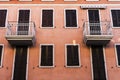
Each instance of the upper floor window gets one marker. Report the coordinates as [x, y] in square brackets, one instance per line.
[70, 18]
[47, 18]
[72, 56]
[1, 53]
[118, 54]
[46, 56]
[116, 18]
[3, 14]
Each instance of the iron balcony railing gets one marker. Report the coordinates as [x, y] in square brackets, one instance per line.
[19, 29]
[101, 28]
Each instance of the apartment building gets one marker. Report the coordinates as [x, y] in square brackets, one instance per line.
[59, 39]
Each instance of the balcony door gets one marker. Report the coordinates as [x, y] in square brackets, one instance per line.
[20, 63]
[98, 63]
[23, 22]
[94, 22]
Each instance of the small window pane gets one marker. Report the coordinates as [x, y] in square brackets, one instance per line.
[71, 20]
[3, 17]
[118, 53]
[46, 55]
[1, 47]
[116, 18]
[47, 18]
[72, 55]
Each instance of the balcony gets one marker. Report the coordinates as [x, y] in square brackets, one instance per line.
[20, 34]
[97, 33]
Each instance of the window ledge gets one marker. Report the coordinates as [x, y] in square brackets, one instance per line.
[46, 66]
[25, 0]
[73, 66]
[4, 0]
[47, 0]
[113, 0]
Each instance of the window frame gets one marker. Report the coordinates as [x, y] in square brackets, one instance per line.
[6, 17]
[112, 18]
[78, 56]
[42, 17]
[116, 54]
[65, 17]
[41, 56]
[2, 55]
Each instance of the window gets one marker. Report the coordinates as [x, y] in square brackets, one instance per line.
[71, 18]
[47, 18]
[3, 14]
[72, 55]
[1, 53]
[118, 54]
[116, 18]
[46, 55]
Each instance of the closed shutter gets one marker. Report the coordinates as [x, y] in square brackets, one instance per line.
[3, 14]
[46, 55]
[1, 47]
[72, 55]
[118, 53]
[116, 18]
[47, 18]
[71, 20]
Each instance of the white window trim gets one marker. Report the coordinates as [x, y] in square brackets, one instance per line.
[65, 18]
[104, 63]
[111, 17]
[6, 17]
[25, 0]
[116, 54]
[78, 56]
[26, 64]
[4, 0]
[42, 17]
[2, 55]
[40, 57]
[114, 0]
[92, 0]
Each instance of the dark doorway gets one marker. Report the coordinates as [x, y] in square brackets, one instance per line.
[20, 63]
[98, 63]
[94, 22]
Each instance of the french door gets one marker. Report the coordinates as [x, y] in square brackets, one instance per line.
[23, 22]
[94, 22]
[20, 63]
[98, 64]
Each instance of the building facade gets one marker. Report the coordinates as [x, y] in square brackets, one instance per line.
[59, 39]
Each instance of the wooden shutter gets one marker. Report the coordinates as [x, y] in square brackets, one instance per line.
[116, 18]
[98, 63]
[3, 14]
[47, 18]
[20, 63]
[46, 55]
[1, 47]
[118, 53]
[71, 20]
[72, 55]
